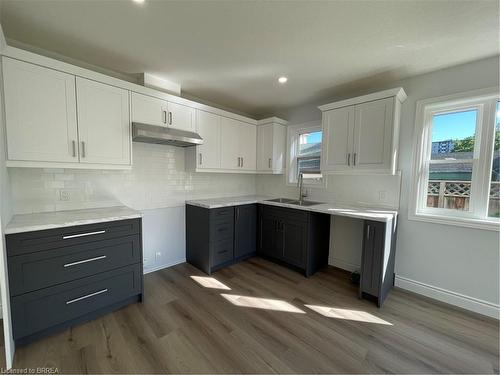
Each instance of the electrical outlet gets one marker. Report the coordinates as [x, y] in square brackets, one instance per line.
[382, 195]
[64, 195]
[157, 255]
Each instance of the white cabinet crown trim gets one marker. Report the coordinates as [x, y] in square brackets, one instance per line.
[398, 92]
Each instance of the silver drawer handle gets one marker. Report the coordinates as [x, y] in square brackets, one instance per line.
[83, 234]
[85, 261]
[86, 296]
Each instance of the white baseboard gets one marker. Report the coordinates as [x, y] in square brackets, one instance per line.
[162, 266]
[465, 302]
[342, 264]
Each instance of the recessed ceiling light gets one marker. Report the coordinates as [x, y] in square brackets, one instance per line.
[139, 1]
[282, 79]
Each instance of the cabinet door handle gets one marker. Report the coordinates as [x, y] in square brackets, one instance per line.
[164, 117]
[73, 144]
[368, 232]
[86, 296]
[354, 159]
[238, 161]
[242, 159]
[201, 158]
[269, 163]
[83, 234]
[84, 261]
[348, 159]
[83, 149]
[170, 118]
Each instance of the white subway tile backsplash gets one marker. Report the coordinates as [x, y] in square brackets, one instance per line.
[157, 180]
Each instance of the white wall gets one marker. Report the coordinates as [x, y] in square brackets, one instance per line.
[157, 185]
[5, 215]
[454, 264]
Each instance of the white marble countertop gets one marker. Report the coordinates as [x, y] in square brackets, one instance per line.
[49, 220]
[358, 212]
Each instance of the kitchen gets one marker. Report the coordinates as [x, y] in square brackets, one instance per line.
[124, 202]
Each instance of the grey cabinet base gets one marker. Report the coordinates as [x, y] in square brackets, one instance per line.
[82, 319]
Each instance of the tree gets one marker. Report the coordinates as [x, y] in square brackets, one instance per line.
[464, 145]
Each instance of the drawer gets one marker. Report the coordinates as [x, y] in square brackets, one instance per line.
[36, 311]
[218, 214]
[222, 229]
[42, 269]
[30, 242]
[221, 252]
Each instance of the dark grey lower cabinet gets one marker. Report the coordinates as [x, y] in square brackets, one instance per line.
[296, 238]
[61, 277]
[219, 237]
[245, 231]
[377, 262]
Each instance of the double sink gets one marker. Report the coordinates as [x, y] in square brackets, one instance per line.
[294, 202]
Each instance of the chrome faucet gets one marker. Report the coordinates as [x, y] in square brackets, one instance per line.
[300, 183]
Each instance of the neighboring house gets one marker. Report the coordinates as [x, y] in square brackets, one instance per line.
[442, 147]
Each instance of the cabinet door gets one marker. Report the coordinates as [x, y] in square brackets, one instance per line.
[247, 140]
[208, 127]
[373, 249]
[270, 239]
[230, 143]
[149, 110]
[103, 123]
[40, 113]
[373, 134]
[245, 230]
[295, 242]
[265, 148]
[180, 116]
[338, 132]
[278, 148]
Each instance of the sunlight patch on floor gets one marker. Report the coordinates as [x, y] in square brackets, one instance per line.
[210, 282]
[262, 303]
[347, 314]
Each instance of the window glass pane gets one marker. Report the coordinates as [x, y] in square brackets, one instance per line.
[310, 144]
[494, 198]
[449, 185]
[453, 135]
[308, 165]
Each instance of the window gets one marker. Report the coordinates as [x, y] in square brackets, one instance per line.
[305, 153]
[456, 170]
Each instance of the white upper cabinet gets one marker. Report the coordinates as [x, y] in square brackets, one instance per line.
[208, 155]
[362, 134]
[265, 148]
[181, 116]
[373, 134]
[40, 113]
[149, 110]
[154, 111]
[247, 141]
[271, 141]
[230, 148]
[103, 123]
[238, 145]
[338, 135]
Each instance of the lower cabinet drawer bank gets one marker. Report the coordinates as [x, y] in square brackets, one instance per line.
[55, 288]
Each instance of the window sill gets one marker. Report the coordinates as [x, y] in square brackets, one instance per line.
[484, 224]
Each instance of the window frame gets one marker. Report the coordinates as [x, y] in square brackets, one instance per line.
[293, 135]
[485, 102]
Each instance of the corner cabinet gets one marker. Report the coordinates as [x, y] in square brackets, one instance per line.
[362, 134]
[45, 129]
[229, 145]
[271, 145]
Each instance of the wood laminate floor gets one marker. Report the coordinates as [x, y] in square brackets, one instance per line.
[270, 320]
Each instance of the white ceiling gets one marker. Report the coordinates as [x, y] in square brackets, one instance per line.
[231, 53]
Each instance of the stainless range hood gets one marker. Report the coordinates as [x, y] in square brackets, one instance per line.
[164, 135]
